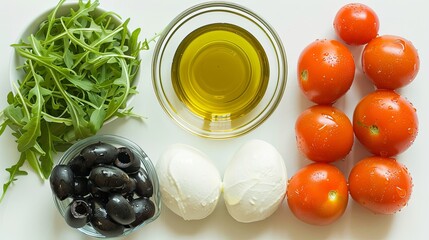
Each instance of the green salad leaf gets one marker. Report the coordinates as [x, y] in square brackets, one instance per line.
[79, 71]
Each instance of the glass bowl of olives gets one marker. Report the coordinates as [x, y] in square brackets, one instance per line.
[106, 186]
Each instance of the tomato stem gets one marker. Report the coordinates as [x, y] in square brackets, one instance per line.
[374, 130]
[304, 75]
[332, 195]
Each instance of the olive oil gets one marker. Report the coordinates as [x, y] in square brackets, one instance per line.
[220, 72]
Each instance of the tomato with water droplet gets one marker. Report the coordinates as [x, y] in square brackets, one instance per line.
[324, 133]
[390, 62]
[326, 70]
[317, 194]
[382, 185]
[385, 123]
[356, 24]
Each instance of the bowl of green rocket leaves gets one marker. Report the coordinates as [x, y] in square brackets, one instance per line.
[75, 68]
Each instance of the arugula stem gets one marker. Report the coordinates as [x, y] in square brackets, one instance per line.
[51, 17]
[53, 119]
[40, 60]
[14, 172]
[81, 100]
[21, 98]
[126, 85]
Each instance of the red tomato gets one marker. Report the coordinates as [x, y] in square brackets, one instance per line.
[356, 24]
[324, 133]
[325, 71]
[317, 194]
[390, 62]
[385, 123]
[380, 184]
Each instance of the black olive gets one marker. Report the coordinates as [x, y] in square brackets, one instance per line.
[102, 223]
[96, 192]
[81, 187]
[62, 181]
[120, 210]
[109, 178]
[144, 209]
[79, 166]
[129, 188]
[99, 153]
[126, 161]
[77, 213]
[144, 187]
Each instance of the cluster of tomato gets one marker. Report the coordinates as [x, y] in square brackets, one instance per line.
[384, 122]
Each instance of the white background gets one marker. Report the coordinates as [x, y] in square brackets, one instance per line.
[28, 212]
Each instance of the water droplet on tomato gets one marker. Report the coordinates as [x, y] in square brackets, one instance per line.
[395, 100]
[327, 116]
[402, 193]
[401, 43]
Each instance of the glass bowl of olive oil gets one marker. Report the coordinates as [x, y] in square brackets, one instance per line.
[219, 70]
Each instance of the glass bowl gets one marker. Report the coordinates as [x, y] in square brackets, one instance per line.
[219, 70]
[146, 166]
[17, 73]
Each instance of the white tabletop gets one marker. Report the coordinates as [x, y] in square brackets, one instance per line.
[27, 212]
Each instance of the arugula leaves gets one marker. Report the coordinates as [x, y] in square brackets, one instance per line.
[79, 72]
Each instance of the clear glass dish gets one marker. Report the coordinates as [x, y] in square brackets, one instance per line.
[169, 47]
[116, 141]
